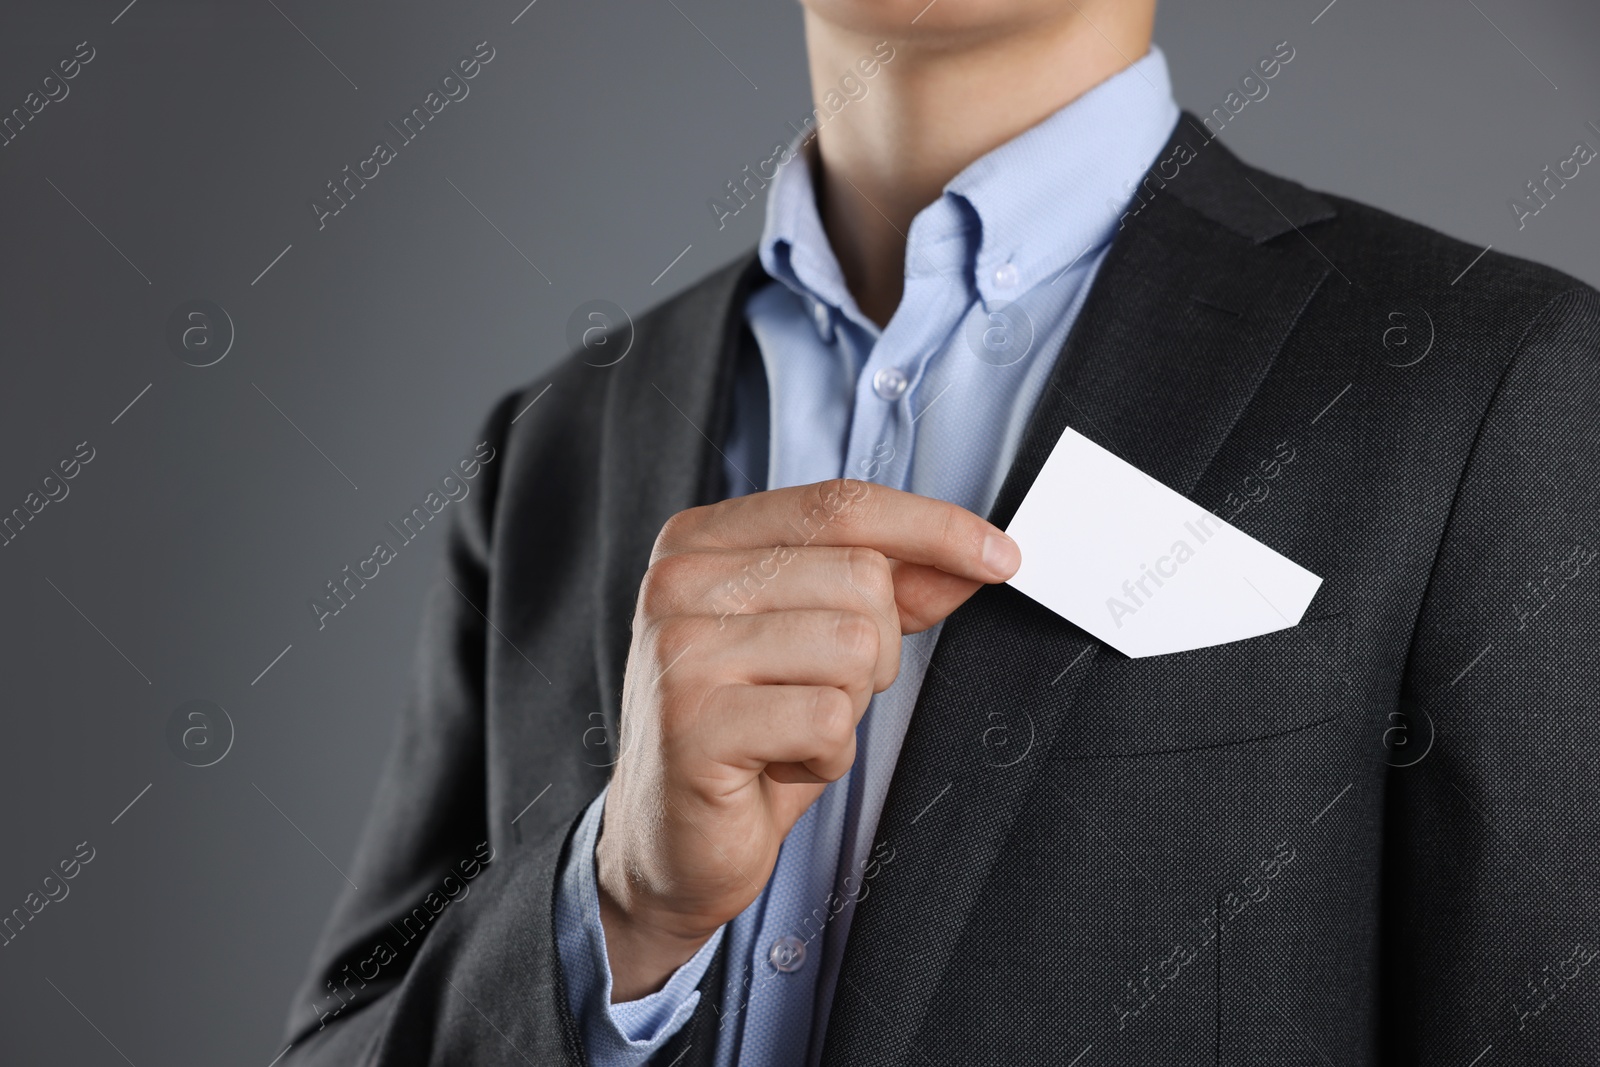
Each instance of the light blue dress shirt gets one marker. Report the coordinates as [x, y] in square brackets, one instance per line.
[933, 403]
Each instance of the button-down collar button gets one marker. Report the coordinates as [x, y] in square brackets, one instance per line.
[823, 318]
[890, 383]
[1005, 275]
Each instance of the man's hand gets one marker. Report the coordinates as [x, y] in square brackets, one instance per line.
[764, 626]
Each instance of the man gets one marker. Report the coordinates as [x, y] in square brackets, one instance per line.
[774, 768]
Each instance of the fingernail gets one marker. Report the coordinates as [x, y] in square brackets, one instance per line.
[1001, 555]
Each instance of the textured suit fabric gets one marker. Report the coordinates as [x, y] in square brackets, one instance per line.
[1220, 856]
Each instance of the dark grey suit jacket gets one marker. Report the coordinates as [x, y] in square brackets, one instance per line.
[1365, 839]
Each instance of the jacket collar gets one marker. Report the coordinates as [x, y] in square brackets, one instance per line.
[664, 418]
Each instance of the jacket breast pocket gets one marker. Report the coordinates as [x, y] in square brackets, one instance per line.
[1225, 694]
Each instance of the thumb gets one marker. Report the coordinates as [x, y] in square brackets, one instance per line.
[926, 595]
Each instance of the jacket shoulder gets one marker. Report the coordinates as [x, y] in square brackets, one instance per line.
[1492, 306]
[1372, 254]
[1390, 251]
[606, 339]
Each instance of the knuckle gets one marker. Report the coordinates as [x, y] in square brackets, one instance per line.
[856, 637]
[827, 504]
[960, 535]
[868, 570]
[888, 668]
[662, 588]
[655, 588]
[680, 720]
[673, 640]
[834, 715]
[677, 533]
[837, 766]
[954, 536]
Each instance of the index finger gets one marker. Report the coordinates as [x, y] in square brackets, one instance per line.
[845, 512]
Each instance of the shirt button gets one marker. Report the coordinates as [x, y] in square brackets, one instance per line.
[823, 318]
[788, 954]
[1005, 275]
[890, 383]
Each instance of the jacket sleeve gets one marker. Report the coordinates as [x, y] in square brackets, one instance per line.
[444, 954]
[630, 1033]
[1491, 882]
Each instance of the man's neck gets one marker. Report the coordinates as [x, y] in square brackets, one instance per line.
[936, 106]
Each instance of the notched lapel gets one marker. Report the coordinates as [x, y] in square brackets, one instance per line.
[665, 405]
[1186, 317]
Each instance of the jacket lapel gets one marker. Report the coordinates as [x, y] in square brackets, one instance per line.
[1196, 296]
[665, 405]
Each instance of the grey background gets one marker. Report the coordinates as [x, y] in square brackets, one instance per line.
[188, 548]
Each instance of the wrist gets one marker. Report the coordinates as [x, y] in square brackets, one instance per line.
[646, 939]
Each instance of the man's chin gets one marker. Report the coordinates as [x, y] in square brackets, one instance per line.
[941, 25]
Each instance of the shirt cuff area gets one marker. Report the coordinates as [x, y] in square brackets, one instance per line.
[629, 1033]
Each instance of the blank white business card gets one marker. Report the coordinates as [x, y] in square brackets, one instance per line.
[1141, 567]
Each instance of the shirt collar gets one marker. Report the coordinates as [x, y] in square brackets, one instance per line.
[794, 247]
[1034, 206]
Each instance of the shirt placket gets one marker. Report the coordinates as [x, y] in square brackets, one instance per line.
[884, 420]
